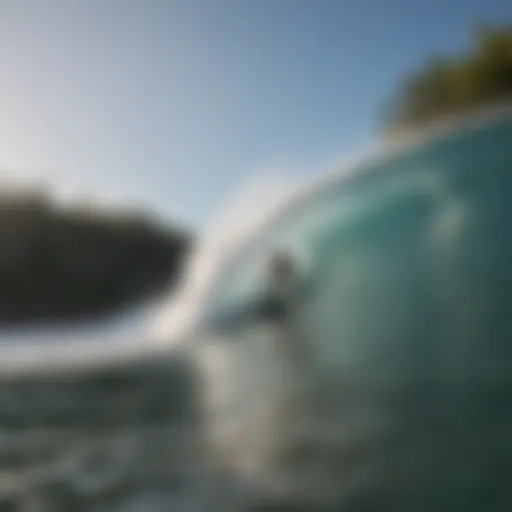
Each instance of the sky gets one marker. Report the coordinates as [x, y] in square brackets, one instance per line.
[174, 104]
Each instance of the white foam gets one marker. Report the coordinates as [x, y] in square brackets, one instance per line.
[234, 226]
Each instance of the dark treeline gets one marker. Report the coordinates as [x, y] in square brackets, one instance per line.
[451, 85]
[71, 264]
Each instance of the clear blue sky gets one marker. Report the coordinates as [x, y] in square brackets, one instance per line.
[173, 103]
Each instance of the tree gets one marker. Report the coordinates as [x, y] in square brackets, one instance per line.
[453, 85]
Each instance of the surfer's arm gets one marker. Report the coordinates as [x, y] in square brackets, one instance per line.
[235, 316]
[265, 307]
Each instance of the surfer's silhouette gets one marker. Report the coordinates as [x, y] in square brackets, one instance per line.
[276, 305]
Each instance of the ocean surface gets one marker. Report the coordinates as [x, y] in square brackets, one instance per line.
[124, 437]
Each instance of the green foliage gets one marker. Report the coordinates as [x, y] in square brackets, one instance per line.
[453, 85]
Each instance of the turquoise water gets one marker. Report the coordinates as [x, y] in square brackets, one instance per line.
[407, 404]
